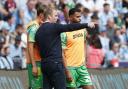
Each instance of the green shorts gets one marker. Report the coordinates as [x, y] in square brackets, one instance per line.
[35, 82]
[80, 77]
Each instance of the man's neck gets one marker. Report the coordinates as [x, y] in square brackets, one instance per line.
[38, 21]
[47, 21]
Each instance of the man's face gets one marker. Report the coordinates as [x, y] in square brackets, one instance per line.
[115, 48]
[54, 16]
[75, 18]
[41, 16]
[17, 42]
[19, 30]
[31, 4]
[111, 23]
[107, 8]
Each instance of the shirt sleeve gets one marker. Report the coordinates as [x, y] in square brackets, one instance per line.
[63, 40]
[69, 27]
[31, 30]
[109, 56]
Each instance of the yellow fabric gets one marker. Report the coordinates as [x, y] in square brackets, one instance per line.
[74, 50]
[31, 23]
[32, 28]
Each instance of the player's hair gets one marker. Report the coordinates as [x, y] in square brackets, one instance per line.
[73, 11]
[48, 12]
[78, 5]
[106, 4]
[40, 8]
[86, 10]
[95, 41]
[19, 26]
[94, 16]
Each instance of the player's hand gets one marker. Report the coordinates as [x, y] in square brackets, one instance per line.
[92, 24]
[68, 76]
[35, 71]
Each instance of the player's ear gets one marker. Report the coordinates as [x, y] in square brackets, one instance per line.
[49, 17]
[41, 15]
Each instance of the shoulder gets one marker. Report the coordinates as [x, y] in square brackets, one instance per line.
[33, 26]
[32, 23]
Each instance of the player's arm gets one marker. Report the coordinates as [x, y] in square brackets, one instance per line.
[27, 54]
[72, 27]
[31, 51]
[67, 72]
[3, 11]
[31, 41]
[63, 43]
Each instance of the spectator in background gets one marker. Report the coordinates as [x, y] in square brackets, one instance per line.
[125, 3]
[2, 24]
[65, 11]
[115, 38]
[28, 13]
[70, 3]
[113, 56]
[87, 4]
[11, 23]
[122, 36]
[110, 2]
[95, 54]
[104, 39]
[63, 14]
[6, 59]
[20, 3]
[85, 18]
[124, 53]
[16, 48]
[126, 24]
[118, 5]
[17, 56]
[19, 14]
[105, 14]
[110, 27]
[119, 20]
[2, 41]
[99, 4]
[20, 31]
[80, 6]
[6, 34]
[119, 36]
[95, 18]
[126, 20]
[10, 6]
[3, 11]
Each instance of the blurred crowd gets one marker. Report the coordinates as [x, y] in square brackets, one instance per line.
[106, 48]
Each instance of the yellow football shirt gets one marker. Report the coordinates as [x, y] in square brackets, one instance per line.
[73, 47]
